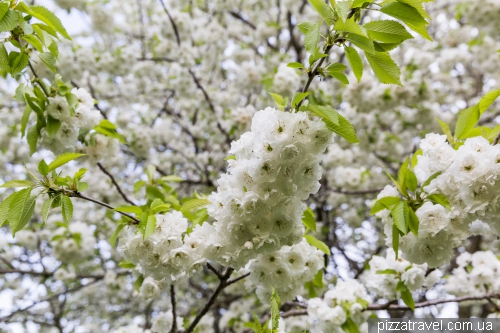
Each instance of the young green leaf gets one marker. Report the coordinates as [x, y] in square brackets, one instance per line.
[63, 159]
[309, 220]
[355, 61]
[46, 16]
[384, 203]
[446, 130]
[5, 207]
[278, 99]
[150, 226]
[317, 244]
[114, 236]
[349, 25]
[47, 205]
[467, 119]
[439, 199]
[17, 183]
[325, 112]
[362, 42]
[488, 99]
[431, 178]
[312, 37]
[387, 271]
[387, 31]
[409, 15]
[400, 216]
[384, 67]
[275, 310]
[295, 65]
[413, 222]
[298, 97]
[17, 207]
[349, 326]
[342, 8]
[395, 240]
[48, 59]
[402, 172]
[411, 181]
[66, 208]
[9, 21]
[322, 8]
[32, 138]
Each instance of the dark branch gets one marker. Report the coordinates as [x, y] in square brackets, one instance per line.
[113, 180]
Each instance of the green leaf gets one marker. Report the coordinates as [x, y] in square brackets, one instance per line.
[384, 67]
[138, 282]
[413, 222]
[4, 8]
[364, 43]
[82, 186]
[309, 219]
[138, 185]
[384, 203]
[342, 8]
[336, 67]
[46, 16]
[385, 47]
[317, 244]
[17, 206]
[33, 40]
[17, 183]
[355, 61]
[4, 58]
[340, 76]
[295, 65]
[417, 4]
[395, 240]
[318, 279]
[387, 271]
[400, 216]
[322, 8]
[25, 119]
[53, 126]
[312, 37]
[63, 159]
[467, 119]
[19, 63]
[47, 205]
[439, 199]
[431, 178]
[49, 60]
[114, 236]
[344, 129]
[9, 21]
[275, 310]
[194, 204]
[402, 172]
[298, 97]
[387, 31]
[411, 181]
[5, 208]
[446, 130]
[32, 138]
[150, 226]
[359, 3]
[278, 99]
[43, 168]
[66, 208]
[129, 209]
[406, 295]
[349, 25]
[349, 326]
[325, 112]
[305, 26]
[126, 264]
[488, 99]
[409, 15]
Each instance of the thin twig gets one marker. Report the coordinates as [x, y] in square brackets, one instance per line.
[358, 192]
[174, 312]
[103, 204]
[238, 16]
[216, 272]
[113, 180]
[174, 26]
[237, 279]
[222, 284]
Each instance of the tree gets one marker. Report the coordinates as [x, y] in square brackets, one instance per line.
[247, 166]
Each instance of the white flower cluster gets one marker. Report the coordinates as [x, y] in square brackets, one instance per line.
[85, 118]
[286, 270]
[328, 314]
[476, 274]
[164, 255]
[384, 285]
[483, 14]
[468, 179]
[257, 206]
[74, 243]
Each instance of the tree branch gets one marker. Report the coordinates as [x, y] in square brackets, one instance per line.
[174, 26]
[223, 283]
[103, 204]
[103, 169]
[174, 312]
